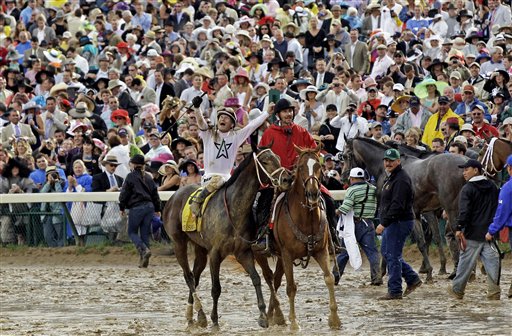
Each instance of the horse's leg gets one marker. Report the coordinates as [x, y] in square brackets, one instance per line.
[419, 237]
[436, 236]
[291, 288]
[215, 261]
[322, 258]
[246, 259]
[278, 278]
[201, 258]
[180, 249]
[274, 307]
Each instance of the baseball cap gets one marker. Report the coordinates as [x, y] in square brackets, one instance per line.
[398, 87]
[391, 154]
[122, 132]
[328, 157]
[357, 172]
[414, 101]
[375, 124]
[509, 161]
[443, 99]
[469, 88]
[471, 163]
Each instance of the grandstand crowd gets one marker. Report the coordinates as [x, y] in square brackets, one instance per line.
[86, 85]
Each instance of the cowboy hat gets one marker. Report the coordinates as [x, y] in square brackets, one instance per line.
[150, 35]
[58, 87]
[421, 89]
[310, 88]
[205, 72]
[80, 111]
[110, 159]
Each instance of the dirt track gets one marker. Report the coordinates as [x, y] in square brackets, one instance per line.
[62, 292]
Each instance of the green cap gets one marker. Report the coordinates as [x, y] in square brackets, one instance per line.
[392, 154]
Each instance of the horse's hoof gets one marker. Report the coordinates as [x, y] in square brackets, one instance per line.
[215, 328]
[442, 271]
[279, 318]
[334, 322]
[429, 278]
[263, 322]
[202, 321]
[294, 326]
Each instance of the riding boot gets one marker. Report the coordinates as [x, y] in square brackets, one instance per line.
[335, 240]
[196, 203]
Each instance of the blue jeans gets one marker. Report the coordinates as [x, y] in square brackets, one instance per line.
[53, 232]
[393, 241]
[365, 236]
[139, 222]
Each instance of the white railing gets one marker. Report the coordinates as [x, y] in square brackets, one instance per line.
[338, 195]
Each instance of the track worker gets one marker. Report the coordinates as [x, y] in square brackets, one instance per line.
[220, 143]
[139, 194]
[503, 216]
[478, 201]
[361, 198]
[396, 223]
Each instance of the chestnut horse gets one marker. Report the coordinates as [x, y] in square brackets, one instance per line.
[494, 154]
[301, 231]
[226, 230]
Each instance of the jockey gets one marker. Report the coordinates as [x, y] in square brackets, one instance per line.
[221, 143]
[283, 137]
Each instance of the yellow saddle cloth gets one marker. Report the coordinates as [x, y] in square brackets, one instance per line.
[190, 223]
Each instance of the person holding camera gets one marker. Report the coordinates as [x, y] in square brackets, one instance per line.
[139, 194]
[53, 224]
[361, 203]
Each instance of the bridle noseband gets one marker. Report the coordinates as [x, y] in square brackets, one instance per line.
[276, 182]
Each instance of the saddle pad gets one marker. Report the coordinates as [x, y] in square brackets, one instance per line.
[190, 223]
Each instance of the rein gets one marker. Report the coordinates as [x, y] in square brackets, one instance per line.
[309, 240]
[307, 205]
[487, 159]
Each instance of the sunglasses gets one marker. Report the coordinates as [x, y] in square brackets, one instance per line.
[443, 103]
[477, 114]
[119, 118]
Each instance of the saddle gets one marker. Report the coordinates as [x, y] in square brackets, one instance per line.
[189, 222]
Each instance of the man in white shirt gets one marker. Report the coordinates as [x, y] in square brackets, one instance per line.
[351, 126]
[439, 26]
[382, 62]
[335, 95]
[81, 62]
[194, 91]
[389, 17]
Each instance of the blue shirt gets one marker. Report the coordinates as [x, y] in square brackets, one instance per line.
[416, 24]
[21, 48]
[144, 21]
[25, 15]
[39, 176]
[503, 216]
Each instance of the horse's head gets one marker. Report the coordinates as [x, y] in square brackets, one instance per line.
[348, 157]
[309, 172]
[269, 170]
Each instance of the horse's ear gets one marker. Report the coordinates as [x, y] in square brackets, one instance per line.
[257, 149]
[297, 149]
[318, 148]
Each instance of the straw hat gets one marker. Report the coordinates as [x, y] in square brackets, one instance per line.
[80, 111]
[57, 88]
[110, 159]
[172, 164]
[205, 72]
[397, 104]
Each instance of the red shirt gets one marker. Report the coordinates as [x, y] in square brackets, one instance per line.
[485, 131]
[283, 139]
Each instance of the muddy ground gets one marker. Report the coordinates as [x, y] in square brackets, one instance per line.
[100, 291]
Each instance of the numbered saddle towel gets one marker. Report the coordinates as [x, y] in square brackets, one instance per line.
[190, 223]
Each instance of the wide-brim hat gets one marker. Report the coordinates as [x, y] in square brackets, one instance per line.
[471, 36]
[175, 142]
[184, 164]
[504, 73]
[102, 79]
[13, 55]
[48, 74]
[464, 13]
[205, 72]
[77, 126]
[260, 84]
[397, 104]
[170, 163]
[310, 88]
[257, 55]
[296, 29]
[120, 113]
[91, 105]
[30, 105]
[138, 159]
[421, 89]
[110, 159]
[26, 84]
[331, 37]
[300, 81]
[263, 7]
[58, 87]
[244, 34]
[437, 62]
[275, 60]
[242, 73]
[53, 56]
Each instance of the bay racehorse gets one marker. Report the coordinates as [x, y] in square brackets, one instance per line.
[226, 229]
[437, 181]
[494, 154]
[300, 231]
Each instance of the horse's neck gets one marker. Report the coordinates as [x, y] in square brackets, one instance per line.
[242, 192]
[372, 160]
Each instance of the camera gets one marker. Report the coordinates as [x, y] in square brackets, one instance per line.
[55, 176]
[332, 173]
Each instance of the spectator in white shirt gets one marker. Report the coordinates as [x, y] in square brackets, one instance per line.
[382, 62]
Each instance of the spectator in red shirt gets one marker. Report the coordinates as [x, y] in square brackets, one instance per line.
[482, 129]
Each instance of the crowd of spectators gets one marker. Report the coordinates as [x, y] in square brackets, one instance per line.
[86, 85]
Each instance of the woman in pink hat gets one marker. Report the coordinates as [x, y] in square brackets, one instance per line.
[242, 118]
[242, 88]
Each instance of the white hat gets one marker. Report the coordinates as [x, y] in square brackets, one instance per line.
[152, 53]
[398, 87]
[357, 172]
[461, 139]
[310, 88]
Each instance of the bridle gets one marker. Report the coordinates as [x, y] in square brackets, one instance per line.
[275, 182]
[307, 204]
[487, 159]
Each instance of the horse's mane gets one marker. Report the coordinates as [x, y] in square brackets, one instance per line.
[239, 170]
[372, 142]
